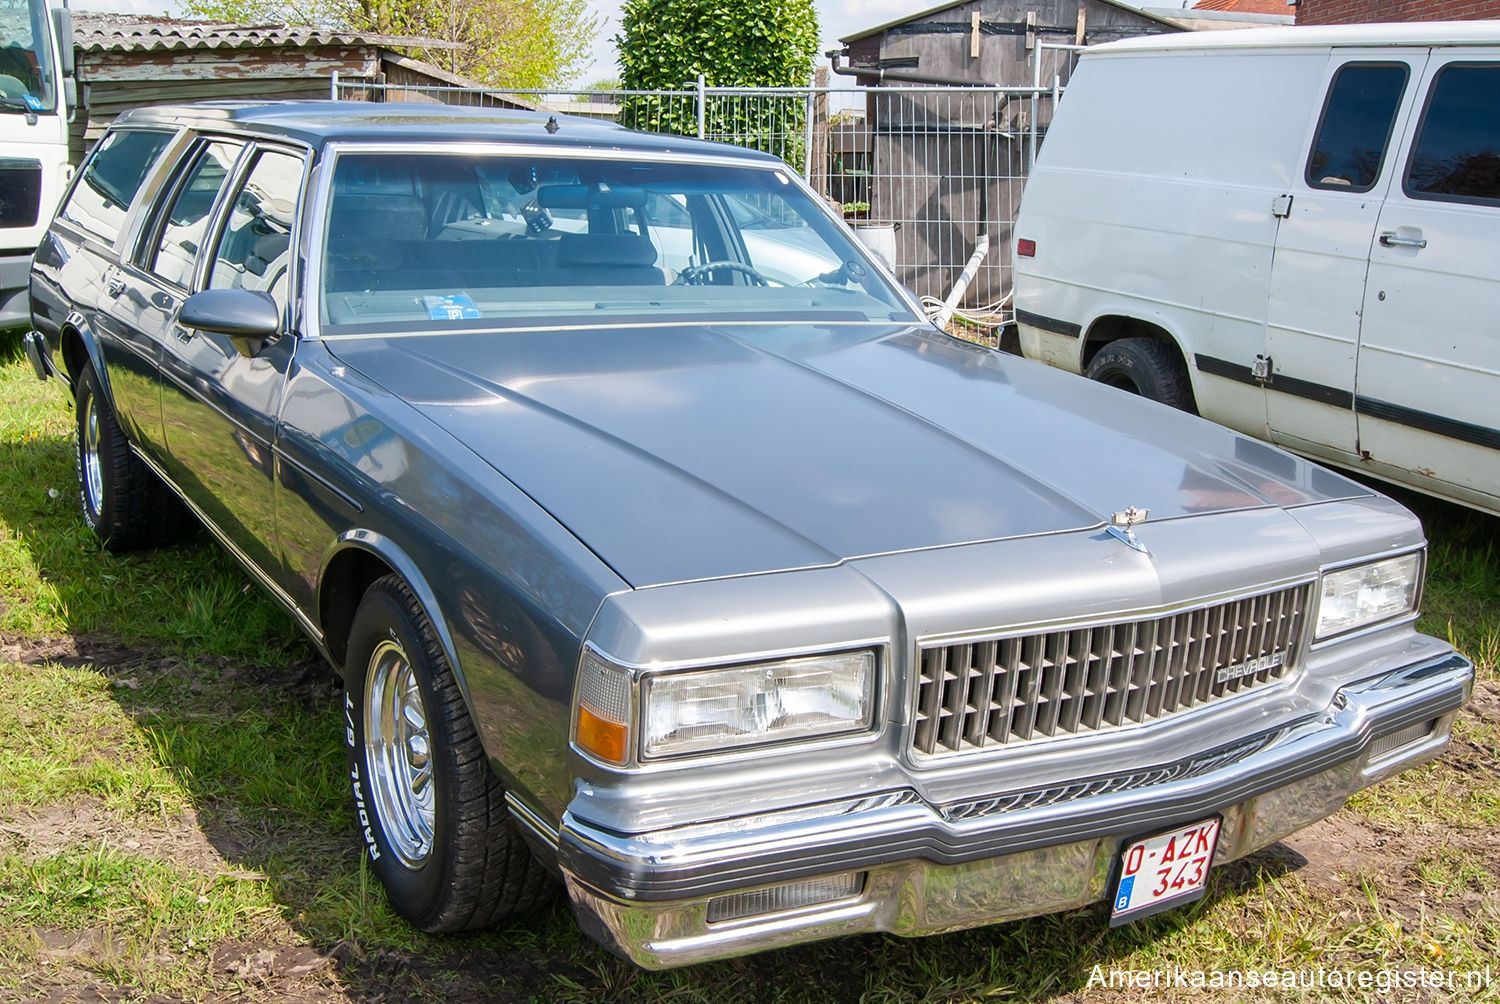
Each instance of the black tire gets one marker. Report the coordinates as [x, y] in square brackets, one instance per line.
[1145, 367]
[447, 849]
[123, 501]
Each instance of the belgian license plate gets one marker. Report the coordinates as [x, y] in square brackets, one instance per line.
[1164, 871]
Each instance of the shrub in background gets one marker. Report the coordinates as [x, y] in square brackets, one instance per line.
[666, 44]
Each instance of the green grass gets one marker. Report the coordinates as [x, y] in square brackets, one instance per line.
[172, 800]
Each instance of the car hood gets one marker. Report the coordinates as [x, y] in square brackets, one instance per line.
[680, 452]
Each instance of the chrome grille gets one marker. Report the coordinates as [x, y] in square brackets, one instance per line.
[1010, 691]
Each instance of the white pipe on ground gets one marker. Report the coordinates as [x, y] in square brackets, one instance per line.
[981, 248]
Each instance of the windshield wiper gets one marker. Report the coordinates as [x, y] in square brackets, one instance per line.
[8, 103]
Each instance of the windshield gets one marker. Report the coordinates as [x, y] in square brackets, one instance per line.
[26, 77]
[427, 240]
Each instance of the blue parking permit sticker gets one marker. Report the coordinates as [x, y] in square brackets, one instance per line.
[1122, 902]
[456, 307]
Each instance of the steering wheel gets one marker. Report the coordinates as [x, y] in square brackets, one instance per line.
[689, 276]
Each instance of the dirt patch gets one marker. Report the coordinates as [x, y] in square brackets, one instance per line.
[74, 651]
[45, 831]
[309, 679]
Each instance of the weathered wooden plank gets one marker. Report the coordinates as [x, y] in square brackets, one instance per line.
[208, 64]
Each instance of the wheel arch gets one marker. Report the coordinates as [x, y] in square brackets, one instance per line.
[77, 344]
[357, 558]
[1108, 328]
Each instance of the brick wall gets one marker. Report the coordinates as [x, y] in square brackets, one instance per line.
[1359, 11]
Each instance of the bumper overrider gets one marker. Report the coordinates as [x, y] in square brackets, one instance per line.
[894, 862]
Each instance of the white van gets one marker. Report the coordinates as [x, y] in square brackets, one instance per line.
[1294, 231]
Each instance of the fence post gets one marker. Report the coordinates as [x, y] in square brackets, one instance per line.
[817, 171]
[702, 107]
[1036, 87]
[807, 132]
[333, 86]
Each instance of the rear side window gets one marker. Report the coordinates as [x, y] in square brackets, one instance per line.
[1456, 155]
[1349, 149]
[111, 180]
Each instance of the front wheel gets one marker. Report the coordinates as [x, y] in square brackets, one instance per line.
[431, 812]
[1149, 368]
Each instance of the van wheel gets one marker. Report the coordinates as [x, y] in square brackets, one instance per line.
[123, 501]
[431, 812]
[1145, 367]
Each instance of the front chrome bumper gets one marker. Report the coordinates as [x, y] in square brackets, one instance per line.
[928, 869]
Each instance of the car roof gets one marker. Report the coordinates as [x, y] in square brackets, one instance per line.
[1429, 33]
[317, 123]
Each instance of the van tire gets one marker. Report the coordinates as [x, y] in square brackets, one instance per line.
[1145, 367]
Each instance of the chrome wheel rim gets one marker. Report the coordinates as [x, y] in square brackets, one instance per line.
[398, 754]
[93, 475]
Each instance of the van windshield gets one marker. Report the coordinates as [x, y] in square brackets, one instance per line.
[26, 74]
[444, 240]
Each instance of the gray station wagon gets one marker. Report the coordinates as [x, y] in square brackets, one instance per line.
[666, 549]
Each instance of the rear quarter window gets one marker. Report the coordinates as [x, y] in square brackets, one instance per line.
[1349, 149]
[111, 180]
[1456, 155]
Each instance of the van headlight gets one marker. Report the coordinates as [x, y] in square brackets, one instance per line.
[764, 702]
[1351, 598]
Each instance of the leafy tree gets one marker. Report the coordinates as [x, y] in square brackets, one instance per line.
[665, 44]
[527, 44]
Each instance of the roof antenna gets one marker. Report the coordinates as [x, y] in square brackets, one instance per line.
[552, 125]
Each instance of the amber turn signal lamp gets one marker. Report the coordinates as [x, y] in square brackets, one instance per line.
[601, 737]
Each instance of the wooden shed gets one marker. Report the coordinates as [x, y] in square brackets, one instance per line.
[128, 60]
[948, 164]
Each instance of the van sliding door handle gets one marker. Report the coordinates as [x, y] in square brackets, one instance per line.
[1392, 240]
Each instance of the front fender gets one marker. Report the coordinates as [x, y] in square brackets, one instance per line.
[392, 554]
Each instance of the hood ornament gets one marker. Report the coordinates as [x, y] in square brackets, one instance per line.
[1120, 524]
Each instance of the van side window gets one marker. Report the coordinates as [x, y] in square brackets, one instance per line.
[184, 224]
[1456, 155]
[1349, 148]
[111, 181]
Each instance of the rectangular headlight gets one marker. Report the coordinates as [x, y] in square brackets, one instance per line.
[720, 709]
[1367, 594]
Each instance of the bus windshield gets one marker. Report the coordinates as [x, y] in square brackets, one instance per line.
[27, 80]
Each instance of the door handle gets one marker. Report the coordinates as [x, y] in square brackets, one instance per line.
[116, 286]
[1393, 240]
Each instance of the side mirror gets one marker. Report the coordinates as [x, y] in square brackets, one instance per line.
[247, 316]
[62, 27]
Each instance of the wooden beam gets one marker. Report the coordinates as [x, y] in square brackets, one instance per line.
[253, 64]
[974, 35]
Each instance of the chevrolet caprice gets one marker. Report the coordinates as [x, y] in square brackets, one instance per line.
[667, 551]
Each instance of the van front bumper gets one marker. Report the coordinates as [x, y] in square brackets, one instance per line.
[913, 868]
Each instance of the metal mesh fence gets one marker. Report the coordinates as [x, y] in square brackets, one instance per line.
[929, 176]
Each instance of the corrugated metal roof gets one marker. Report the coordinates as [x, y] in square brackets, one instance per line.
[96, 32]
[950, 4]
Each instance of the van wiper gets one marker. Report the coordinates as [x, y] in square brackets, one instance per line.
[8, 103]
